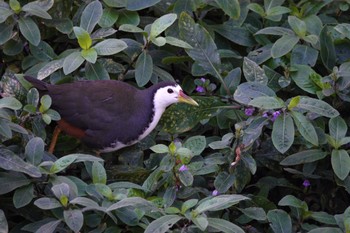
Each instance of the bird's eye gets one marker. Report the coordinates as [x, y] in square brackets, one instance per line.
[170, 91]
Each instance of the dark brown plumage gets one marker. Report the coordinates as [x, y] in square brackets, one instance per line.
[103, 113]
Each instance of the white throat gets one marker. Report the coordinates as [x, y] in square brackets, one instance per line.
[159, 109]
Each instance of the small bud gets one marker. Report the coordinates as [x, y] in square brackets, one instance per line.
[215, 193]
[249, 111]
[306, 183]
[183, 168]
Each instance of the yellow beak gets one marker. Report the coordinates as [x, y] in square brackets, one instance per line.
[183, 98]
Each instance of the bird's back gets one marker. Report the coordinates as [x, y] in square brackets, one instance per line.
[105, 110]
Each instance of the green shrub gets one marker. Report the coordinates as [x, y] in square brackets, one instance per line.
[266, 150]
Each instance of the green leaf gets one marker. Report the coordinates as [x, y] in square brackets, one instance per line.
[35, 8]
[230, 7]
[280, 221]
[204, 51]
[283, 45]
[276, 11]
[108, 18]
[84, 201]
[47, 203]
[61, 191]
[201, 222]
[224, 182]
[10, 182]
[162, 224]
[283, 133]
[301, 75]
[3, 222]
[248, 91]
[91, 15]
[305, 127]
[328, 55]
[253, 72]
[254, 213]
[196, 144]
[72, 62]
[340, 163]
[45, 102]
[46, 118]
[326, 230]
[223, 225]
[130, 28]
[98, 173]
[15, 6]
[83, 37]
[304, 55]
[62, 163]
[115, 3]
[169, 198]
[49, 227]
[323, 217]
[290, 200]
[34, 150]
[12, 162]
[136, 202]
[298, 26]
[90, 55]
[161, 24]
[219, 202]
[303, 157]
[104, 190]
[23, 196]
[11, 103]
[128, 17]
[172, 120]
[277, 31]
[293, 102]
[160, 148]
[96, 71]
[337, 128]
[54, 115]
[110, 47]
[267, 102]
[5, 12]
[317, 106]
[177, 42]
[235, 33]
[257, 8]
[162, 74]
[50, 68]
[74, 218]
[143, 69]
[5, 32]
[186, 178]
[13, 47]
[344, 29]
[136, 5]
[5, 129]
[29, 30]
[188, 205]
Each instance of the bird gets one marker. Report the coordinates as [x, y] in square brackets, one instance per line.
[108, 115]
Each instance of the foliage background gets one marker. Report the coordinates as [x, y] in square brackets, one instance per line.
[266, 151]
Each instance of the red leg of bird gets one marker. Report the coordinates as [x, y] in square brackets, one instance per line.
[56, 132]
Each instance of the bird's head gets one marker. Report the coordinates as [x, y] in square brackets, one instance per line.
[171, 93]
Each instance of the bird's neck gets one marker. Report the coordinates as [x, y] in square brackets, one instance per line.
[158, 110]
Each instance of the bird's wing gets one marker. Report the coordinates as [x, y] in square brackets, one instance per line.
[105, 111]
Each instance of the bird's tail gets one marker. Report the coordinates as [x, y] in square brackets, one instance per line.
[38, 84]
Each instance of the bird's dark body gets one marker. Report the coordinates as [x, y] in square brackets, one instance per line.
[107, 111]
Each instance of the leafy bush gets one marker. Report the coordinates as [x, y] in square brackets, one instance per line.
[266, 150]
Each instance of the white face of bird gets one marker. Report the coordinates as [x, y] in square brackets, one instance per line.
[168, 95]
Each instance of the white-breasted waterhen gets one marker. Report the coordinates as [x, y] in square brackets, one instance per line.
[106, 114]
